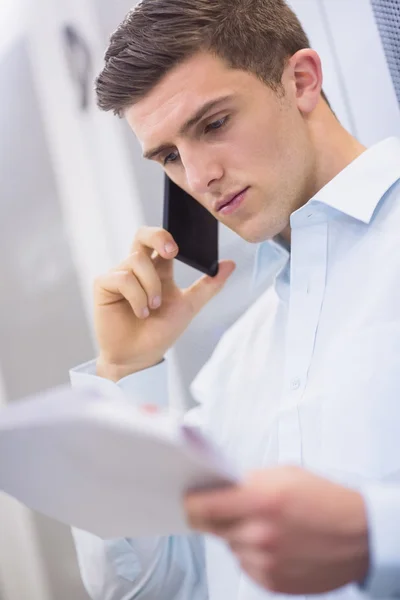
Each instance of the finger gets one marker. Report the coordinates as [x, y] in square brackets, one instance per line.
[150, 239]
[207, 287]
[252, 534]
[217, 511]
[118, 285]
[146, 274]
[254, 560]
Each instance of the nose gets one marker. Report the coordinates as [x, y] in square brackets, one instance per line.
[203, 170]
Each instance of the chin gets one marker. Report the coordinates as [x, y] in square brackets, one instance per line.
[256, 234]
[255, 239]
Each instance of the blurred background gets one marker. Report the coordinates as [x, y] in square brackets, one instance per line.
[73, 191]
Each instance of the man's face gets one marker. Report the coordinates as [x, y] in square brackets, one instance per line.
[247, 139]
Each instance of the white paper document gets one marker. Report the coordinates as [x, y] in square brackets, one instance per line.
[100, 464]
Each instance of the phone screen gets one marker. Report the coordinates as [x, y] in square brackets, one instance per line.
[193, 228]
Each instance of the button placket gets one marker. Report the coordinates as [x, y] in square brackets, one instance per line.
[308, 264]
[295, 384]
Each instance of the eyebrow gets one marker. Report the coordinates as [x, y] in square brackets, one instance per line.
[189, 124]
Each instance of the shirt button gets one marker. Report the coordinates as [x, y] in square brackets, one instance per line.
[295, 384]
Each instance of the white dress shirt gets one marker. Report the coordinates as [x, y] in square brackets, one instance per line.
[309, 375]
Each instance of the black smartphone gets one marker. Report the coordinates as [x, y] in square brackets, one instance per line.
[193, 228]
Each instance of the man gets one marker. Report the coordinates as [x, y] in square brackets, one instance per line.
[227, 97]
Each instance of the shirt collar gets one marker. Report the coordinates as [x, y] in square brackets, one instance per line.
[357, 190]
[271, 256]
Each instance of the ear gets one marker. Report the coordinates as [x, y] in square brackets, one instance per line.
[306, 75]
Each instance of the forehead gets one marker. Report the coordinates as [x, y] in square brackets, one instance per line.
[179, 94]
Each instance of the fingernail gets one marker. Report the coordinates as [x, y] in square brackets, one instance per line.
[156, 302]
[145, 313]
[170, 248]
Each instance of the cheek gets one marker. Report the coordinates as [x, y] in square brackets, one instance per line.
[249, 151]
[264, 145]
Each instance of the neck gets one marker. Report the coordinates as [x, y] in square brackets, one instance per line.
[334, 149]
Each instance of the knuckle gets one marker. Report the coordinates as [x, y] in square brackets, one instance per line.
[126, 278]
[263, 539]
[100, 283]
[131, 290]
[146, 272]
[136, 239]
[138, 258]
[141, 232]
[277, 503]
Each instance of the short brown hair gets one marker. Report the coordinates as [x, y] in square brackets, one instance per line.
[257, 36]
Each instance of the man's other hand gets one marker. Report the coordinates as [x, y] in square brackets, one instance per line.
[292, 532]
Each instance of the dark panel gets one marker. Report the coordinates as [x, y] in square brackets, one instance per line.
[387, 15]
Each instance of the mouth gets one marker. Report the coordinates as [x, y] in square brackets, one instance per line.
[230, 203]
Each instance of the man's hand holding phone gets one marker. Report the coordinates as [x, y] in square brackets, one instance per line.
[139, 310]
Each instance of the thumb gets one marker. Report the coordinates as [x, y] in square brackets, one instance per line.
[207, 287]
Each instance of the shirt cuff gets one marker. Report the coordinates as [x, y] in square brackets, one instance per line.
[149, 386]
[383, 510]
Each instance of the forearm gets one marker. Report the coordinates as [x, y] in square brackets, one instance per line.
[143, 568]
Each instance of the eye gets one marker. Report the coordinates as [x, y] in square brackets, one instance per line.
[171, 158]
[216, 124]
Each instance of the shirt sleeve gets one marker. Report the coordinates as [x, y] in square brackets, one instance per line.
[149, 386]
[171, 567]
[383, 509]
